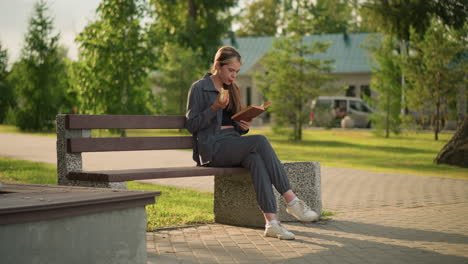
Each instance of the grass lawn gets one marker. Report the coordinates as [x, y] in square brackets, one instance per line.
[411, 153]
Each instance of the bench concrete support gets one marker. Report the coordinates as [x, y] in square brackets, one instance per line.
[67, 162]
[235, 202]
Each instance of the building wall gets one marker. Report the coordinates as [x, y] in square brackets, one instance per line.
[358, 80]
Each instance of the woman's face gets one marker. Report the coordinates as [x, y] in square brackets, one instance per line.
[228, 72]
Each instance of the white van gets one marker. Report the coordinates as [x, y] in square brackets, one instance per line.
[329, 110]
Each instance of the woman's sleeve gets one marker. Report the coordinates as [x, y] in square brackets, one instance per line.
[239, 129]
[197, 118]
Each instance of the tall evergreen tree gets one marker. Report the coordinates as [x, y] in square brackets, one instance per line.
[386, 82]
[7, 99]
[114, 61]
[175, 77]
[38, 75]
[293, 78]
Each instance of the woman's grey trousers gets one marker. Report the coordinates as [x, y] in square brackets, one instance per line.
[255, 153]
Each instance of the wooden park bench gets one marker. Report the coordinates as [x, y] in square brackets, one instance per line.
[233, 188]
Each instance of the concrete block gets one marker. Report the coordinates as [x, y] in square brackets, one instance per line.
[304, 178]
[235, 202]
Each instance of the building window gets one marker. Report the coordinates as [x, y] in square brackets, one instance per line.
[249, 95]
[365, 91]
[351, 91]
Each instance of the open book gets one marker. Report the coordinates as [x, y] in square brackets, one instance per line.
[250, 112]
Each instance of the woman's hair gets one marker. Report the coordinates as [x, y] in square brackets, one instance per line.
[224, 56]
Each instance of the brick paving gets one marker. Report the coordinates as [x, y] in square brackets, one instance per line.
[382, 217]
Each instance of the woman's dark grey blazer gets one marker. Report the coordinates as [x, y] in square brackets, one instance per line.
[202, 121]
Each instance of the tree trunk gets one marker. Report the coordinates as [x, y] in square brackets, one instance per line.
[387, 118]
[403, 50]
[192, 10]
[455, 152]
[437, 121]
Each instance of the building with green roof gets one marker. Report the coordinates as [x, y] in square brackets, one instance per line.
[351, 67]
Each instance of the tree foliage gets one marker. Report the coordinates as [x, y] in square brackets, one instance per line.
[114, 61]
[192, 24]
[292, 79]
[273, 17]
[396, 17]
[331, 16]
[175, 76]
[259, 18]
[39, 77]
[386, 83]
[7, 98]
[434, 72]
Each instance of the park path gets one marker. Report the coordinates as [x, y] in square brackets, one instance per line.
[383, 217]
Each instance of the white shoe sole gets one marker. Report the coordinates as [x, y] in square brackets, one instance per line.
[316, 218]
[280, 237]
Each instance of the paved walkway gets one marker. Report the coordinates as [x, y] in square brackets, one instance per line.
[383, 217]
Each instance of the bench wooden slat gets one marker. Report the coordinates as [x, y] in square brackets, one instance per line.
[153, 173]
[75, 145]
[124, 122]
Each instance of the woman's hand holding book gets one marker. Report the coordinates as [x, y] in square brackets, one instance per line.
[244, 125]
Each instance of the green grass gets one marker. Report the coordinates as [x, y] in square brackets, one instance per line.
[101, 132]
[410, 153]
[327, 215]
[13, 129]
[13, 170]
[175, 207]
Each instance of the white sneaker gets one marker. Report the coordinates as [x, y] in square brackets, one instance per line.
[302, 212]
[278, 231]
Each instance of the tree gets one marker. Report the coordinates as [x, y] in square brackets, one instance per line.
[114, 61]
[175, 77]
[7, 98]
[397, 17]
[386, 82]
[431, 70]
[456, 150]
[293, 78]
[330, 16]
[38, 76]
[192, 24]
[259, 18]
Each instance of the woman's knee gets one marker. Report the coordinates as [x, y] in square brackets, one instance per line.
[260, 140]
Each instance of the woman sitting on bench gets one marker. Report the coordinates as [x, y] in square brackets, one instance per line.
[218, 141]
